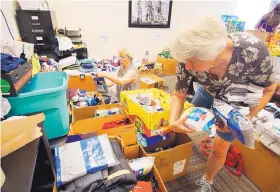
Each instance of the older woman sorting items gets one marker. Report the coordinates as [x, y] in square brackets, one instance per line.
[218, 60]
[127, 76]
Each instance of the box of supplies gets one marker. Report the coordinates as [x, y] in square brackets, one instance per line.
[171, 163]
[114, 125]
[151, 81]
[12, 82]
[169, 65]
[96, 111]
[152, 106]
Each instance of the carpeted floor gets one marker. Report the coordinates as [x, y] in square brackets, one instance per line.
[224, 181]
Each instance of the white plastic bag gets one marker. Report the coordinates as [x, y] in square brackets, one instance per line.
[142, 166]
[77, 159]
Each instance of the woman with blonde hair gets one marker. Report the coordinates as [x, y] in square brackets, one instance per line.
[125, 79]
[217, 60]
[270, 21]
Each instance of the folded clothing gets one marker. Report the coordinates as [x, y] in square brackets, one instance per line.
[85, 183]
[77, 159]
[117, 123]
[120, 177]
[10, 63]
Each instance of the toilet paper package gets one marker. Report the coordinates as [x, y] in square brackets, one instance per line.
[199, 119]
[240, 126]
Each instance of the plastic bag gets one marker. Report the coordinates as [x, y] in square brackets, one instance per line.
[198, 118]
[77, 159]
[240, 126]
[142, 166]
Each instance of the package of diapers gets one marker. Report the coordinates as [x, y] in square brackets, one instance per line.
[199, 119]
[240, 126]
[74, 160]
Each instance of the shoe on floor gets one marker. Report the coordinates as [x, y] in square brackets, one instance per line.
[204, 186]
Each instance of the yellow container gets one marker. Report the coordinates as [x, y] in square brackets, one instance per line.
[152, 120]
[169, 65]
[156, 82]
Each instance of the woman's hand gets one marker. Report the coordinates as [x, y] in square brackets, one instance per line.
[179, 127]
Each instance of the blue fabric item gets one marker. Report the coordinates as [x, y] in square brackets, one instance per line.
[9, 63]
[225, 136]
[202, 99]
[150, 141]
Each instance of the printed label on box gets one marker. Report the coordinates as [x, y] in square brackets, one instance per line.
[39, 38]
[179, 167]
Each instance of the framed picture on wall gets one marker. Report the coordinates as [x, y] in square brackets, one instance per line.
[149, 14]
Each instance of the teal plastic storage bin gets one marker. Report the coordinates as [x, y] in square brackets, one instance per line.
[46, 92]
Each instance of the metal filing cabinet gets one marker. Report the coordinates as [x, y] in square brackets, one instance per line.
[37, 27]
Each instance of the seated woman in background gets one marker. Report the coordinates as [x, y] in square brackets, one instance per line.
[126, 77]
[270, 21]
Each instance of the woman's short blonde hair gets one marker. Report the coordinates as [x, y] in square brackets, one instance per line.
[203, 38]
[125, 51]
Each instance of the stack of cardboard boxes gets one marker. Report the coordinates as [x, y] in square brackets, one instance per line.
[170, 160]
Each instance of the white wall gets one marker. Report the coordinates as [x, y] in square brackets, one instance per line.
[110, 18]
[8, 8]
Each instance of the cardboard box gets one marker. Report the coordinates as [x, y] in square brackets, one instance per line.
[83, 81]
[19, 132]
[173, 163]
[152, 120]
[261, 166]
[70, 108]
[169, 65]
[132, 152]
[140, 125]
[157, 82]
[82, 124]
[12, 82]
[88, 112]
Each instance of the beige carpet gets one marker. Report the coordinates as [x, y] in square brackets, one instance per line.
[224, 181]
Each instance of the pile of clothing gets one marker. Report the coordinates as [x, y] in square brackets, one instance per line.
[10, 63]
[248, 94]
[99, 165]
[88, 65]
[81, 98]
[48, 64]
[267, 126]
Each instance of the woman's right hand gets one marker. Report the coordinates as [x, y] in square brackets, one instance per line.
[179, 127]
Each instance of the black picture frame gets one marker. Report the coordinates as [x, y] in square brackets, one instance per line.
[140, 24]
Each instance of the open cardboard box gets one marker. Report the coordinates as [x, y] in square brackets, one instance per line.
[19, 132]
[70, 108]
[132, 152]
[172, 163]
[88, 112]
[84, 123]
[261, 166]
[156, 83]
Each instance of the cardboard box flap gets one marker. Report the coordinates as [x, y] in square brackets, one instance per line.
[17, 133]
[88, 112]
